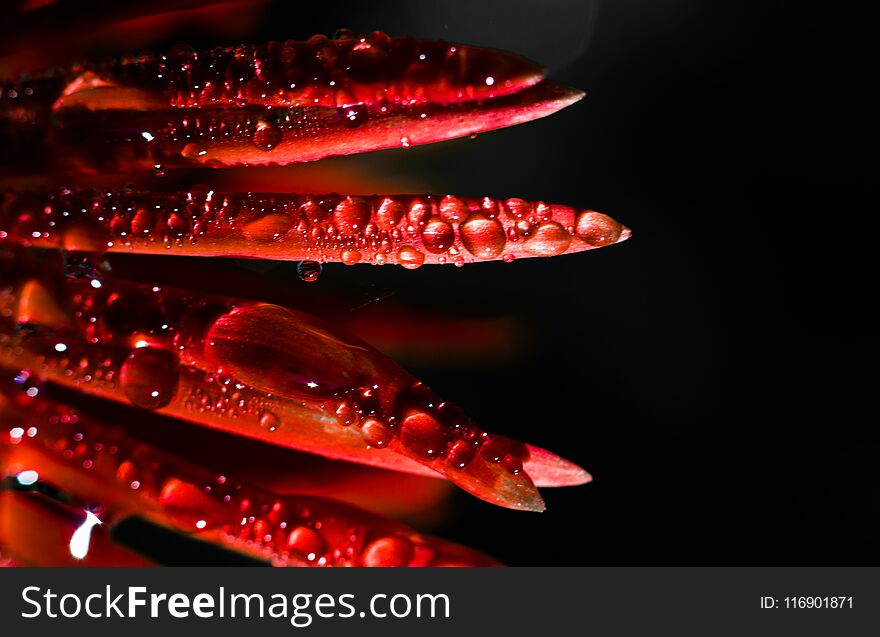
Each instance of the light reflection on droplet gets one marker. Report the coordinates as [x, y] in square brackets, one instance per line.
[79, 541]
[27, 477]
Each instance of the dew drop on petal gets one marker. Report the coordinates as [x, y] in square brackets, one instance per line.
[351, 256]
[548, 240]
[267, 136]
[597, 229]
[423, 436]
[376, 433]
[388, 551]
[437, 235]
[483, 237]
[306, 542]
[269, 421]
[410, 258]
[149, 377]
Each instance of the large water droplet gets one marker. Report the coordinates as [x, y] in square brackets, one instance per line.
[149, 377]
[189, 506]
[548, 240]
[452, 209]
[423, 436]
[483, 237]
[267, 136]
[388, 551]
[290, 353]
[462, 453]
[597, 229]
[410, 258]
[351, 215]
[437, 235]
[376, 433]
[306, 542]
[389, 214]
[308, 271]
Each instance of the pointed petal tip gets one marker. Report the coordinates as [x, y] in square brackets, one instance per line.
[546, 469]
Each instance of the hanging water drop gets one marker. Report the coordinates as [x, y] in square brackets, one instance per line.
[308, 271]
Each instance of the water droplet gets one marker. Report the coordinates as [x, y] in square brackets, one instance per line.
[142, 222]
[483, 237]
[127, 473]
[346, 413]
[437, 235]
[314, 213]
[548, 240]
[493, 451]
[193, 151]
[351, 215]
[461, 454]
[597, 229]
[543, 211]
[418, 214]
[267, 136]
[518, 208]
[282, 351]
[269, 421]
[267, 228]
[351, 256]
[353, 115]
[410, 258]
[307, 542]
[452, 209]
[389, 551]
[376, 433]
[405, 141]
[189, 506]
[423, 436]
[389, 214]
[149, 377]
[308, 271]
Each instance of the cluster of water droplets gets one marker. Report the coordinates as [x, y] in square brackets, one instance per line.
[340, 72]
[398, 229]
[282, 529]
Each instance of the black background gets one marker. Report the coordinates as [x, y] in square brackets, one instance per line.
[715, 372]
